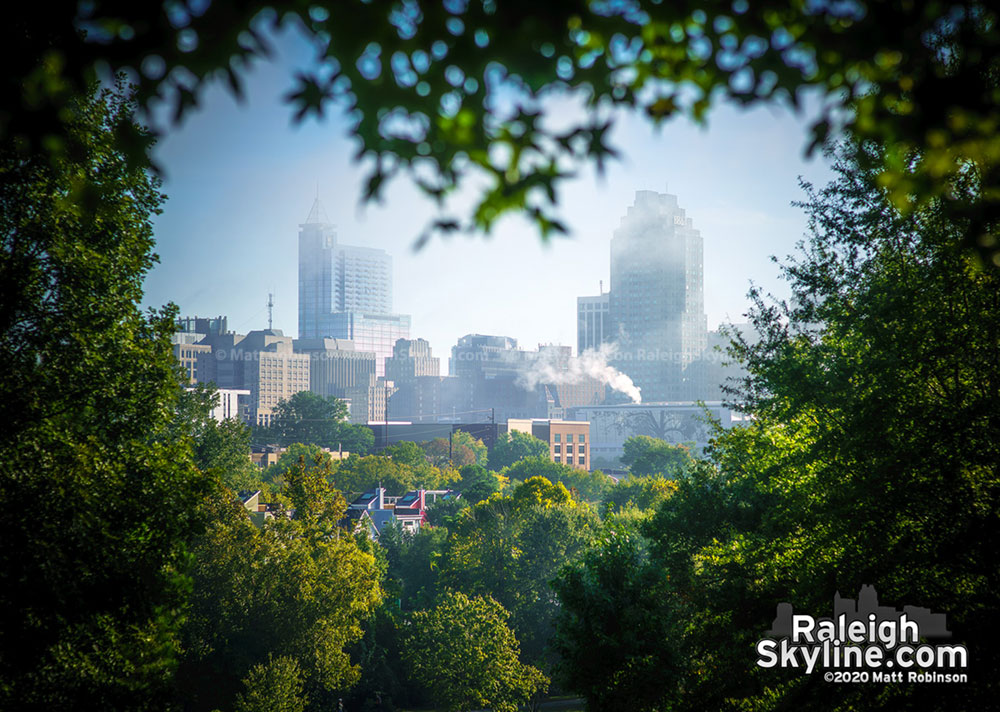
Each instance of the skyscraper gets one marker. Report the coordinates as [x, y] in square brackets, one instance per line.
[656, 304]
[593, 322]
[337, 278]
[345, 292]
[317, 238]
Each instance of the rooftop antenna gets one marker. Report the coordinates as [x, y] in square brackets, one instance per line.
[601, 283]
[270, 309]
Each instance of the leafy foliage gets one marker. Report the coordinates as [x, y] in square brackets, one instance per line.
[456, 93]
[312, 456]
[478, 483]
[588, 486]
[295, 588]
[222, 448]
[463, 449]
[101, 500]
[359, 474]
[511, 547]
[406, 453]
[645, 493]
[650, 456]
[413, 563]
[611, 629]
[314, 420]
[274, 686]
[514, 446]
[467, 657]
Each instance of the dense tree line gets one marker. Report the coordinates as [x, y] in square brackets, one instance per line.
[871, 458]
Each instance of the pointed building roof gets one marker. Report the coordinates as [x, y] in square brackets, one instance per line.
[317, 216]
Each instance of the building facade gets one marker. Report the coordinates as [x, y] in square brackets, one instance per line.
[203, 325]
[272, 372]
[569, 440]
[377, 333]
[230, 403]
[187, 352]
[263, 363]
[411, 359]
[387, 434]
[367, 402]
[486, 356]
[656, 303]
[335, 365]
[338, 278]
[317, 240]
[653, 317]
[593, 322]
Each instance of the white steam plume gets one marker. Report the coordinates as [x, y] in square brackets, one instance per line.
[549, 368]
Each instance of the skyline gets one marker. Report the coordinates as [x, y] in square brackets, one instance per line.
[227, 236]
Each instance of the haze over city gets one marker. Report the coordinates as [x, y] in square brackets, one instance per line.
[240, 180]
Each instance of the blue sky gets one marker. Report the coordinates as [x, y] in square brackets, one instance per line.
[240, 178]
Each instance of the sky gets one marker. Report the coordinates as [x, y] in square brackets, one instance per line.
[242, 177]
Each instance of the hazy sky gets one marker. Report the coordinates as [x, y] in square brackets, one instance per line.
[240, 179]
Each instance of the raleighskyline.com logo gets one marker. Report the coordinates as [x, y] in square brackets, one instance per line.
[865, 642]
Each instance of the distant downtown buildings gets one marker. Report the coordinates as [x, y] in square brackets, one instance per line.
[352, 346]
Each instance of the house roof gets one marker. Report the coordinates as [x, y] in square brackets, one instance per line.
[366, 500]
[412, 499]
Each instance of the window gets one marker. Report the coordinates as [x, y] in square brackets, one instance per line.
[569, 437]
[581, 450]
[557, 459]
[583, 438]
[557, 438]
[557, 449]
[583, 460]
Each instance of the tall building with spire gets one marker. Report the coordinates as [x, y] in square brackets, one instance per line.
[345, 291]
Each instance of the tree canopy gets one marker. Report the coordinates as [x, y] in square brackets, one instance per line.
[589, 486]
[510, 547]
[101, 494]
[467, 657]
[312, 419]
[460, 450]
[454, 93]
[870, 458]
[514, 446]
[295, 589]
[611, 629]
[220, 447]
[651, 456]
